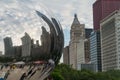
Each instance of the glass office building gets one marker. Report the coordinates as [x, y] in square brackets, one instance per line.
[95, 50]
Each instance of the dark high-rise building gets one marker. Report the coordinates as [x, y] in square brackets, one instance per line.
[88, 32]
[37, 53]
[102, 8]
[87, 44]
[45, 40]
[18, 51]
[8, 47]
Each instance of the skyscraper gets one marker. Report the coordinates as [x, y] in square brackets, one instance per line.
[45, 40]
[8, 47]
[76, 46]
[110, 41]
[26, 45]
[95, 50]
[102, 8]
[87, 44]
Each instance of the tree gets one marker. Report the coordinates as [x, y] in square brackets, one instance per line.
[56, 76]
[65, 72]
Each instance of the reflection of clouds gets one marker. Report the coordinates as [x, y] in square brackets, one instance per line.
[16, 18]
[0, 38]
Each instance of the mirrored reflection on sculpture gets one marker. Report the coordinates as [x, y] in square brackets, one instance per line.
[31, 41]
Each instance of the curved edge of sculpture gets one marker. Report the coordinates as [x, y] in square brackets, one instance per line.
[56, 43]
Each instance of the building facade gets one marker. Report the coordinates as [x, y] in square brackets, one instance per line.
[66, 55]
[26, 45]
[8, 47]
[95, 50]
[76, 45]
[45, 40]
[87, 44]
[110, 41]
[17, 51]
[36, 50]
[102, 8]
[89, 66]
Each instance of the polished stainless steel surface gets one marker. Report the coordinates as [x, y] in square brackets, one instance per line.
[31, 41]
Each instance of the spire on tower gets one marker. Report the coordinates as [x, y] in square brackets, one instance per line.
[75, 15]
[75, 21]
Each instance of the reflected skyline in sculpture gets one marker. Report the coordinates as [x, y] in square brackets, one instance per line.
[33, 41]
[27, 46]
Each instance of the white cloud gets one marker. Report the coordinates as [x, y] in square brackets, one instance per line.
[66, 10]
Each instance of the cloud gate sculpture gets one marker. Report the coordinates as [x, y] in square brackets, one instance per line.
[31, 41]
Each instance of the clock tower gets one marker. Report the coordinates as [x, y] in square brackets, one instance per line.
[77, 37]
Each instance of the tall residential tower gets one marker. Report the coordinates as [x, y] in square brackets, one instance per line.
[8, 47]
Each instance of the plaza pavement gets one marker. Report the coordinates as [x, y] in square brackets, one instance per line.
[16, 73]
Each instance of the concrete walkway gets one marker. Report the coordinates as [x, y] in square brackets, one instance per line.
[38, 74]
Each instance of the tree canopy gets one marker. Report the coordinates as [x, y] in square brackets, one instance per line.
[65, 72]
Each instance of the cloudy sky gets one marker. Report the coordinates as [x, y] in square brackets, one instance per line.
[64, 10]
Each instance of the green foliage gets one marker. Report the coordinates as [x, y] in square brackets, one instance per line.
[56, 76]
[5, 59]
[68, 73]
